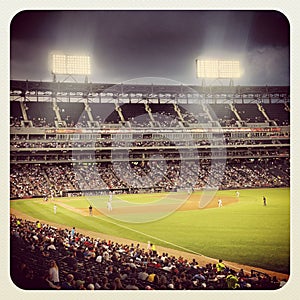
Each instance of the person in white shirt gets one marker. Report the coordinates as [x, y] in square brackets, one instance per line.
[54, 272]
[220, 204]
[109, 202]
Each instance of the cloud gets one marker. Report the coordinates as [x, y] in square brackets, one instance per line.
[267, 65]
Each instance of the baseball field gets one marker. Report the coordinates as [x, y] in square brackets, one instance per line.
[243, 231]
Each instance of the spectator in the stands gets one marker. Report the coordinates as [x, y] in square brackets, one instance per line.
[132, 285]
[164, 272]
[69, 284]
[117, 284]
[54, 273]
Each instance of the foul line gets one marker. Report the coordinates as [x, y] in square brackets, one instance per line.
[164, 241]
[153, 237]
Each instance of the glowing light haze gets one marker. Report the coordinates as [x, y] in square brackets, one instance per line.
[133, 44]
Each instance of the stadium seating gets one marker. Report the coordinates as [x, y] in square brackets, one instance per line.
[15, 114]
[74, 114]
[281, 116]
[271, 171]
[41, 114]
[224, 114]
[250, 113]
[155, 163]
[105, 113]
[99, 262]
[37, 180]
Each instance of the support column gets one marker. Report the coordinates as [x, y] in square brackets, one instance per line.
[24, 110]
[88, 110]
[56, 110]
[177, 109]
[148, 110]
[262, 110]
[119, 110]
[234, 110]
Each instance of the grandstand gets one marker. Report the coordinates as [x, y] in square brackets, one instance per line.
[99, 262]
[70, 139]
[55, 126]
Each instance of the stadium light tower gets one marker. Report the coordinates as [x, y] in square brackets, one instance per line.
[218, 69]
[70, 66]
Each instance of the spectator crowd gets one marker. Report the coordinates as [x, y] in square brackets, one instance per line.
[47, 258]
[29, 180]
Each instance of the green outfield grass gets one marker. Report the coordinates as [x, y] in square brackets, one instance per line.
[244, 232]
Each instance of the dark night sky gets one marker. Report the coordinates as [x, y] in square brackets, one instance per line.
[131, 44]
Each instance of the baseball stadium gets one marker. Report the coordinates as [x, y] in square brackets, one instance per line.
[149, 184]
[164, 161]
